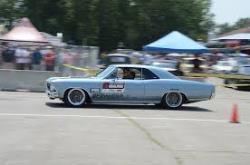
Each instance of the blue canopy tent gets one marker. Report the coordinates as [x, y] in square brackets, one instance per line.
[175, 42]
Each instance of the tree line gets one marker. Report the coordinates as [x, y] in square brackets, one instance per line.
[106, 23]
[226, 27]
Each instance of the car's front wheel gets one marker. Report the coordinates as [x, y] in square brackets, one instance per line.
[75, 97]
[173, 100]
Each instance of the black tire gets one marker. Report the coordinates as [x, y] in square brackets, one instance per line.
[173, 100]
[75, 97]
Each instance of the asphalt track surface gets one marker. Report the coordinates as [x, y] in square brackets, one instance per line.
[38, 131]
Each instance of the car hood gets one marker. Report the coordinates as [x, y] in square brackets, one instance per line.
[56, 79]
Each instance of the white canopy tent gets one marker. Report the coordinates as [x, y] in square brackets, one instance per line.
[239, 36]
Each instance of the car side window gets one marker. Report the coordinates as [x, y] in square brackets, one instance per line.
[131, 73]
[125, 73]
[147, 75]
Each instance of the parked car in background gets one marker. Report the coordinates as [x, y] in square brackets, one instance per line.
[241, 68]
[171, 66]
[129, 84]
[224, 67]
[118, 58]
[237, 65]
[244, 69]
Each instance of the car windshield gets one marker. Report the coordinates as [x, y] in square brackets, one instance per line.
[104, 72]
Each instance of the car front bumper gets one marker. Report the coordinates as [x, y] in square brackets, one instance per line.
[52, 94]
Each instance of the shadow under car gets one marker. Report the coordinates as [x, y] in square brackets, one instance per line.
[128, 107]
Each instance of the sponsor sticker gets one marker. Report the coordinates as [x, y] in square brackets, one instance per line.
[108, 85]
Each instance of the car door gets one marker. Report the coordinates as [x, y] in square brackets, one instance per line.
[153, 86]
[122, 90]
[133, 91]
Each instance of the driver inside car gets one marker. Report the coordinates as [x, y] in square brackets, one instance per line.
[128, 74]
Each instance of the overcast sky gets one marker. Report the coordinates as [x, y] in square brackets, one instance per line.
[229, 11]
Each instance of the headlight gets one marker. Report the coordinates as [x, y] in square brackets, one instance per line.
[52, 88]
[48, 86]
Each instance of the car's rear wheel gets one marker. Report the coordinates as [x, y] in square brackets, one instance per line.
[173, 100]
[75, 97]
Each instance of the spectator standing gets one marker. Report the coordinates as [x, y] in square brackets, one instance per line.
[23, 60]
[36, 57]
[8, 55]
[49, 60]
[197, 64]
[8, 58]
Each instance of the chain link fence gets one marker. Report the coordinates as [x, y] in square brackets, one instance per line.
[71, 55]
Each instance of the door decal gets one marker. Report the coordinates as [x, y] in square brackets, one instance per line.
[108, 85]
[111, 91]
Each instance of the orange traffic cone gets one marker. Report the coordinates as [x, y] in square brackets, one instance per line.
[234, 115]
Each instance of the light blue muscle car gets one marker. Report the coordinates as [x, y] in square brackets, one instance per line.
[129, 84]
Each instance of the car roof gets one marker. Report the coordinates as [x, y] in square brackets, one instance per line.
[135, 66]
[158, 71]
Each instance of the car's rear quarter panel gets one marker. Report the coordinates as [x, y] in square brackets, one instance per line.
[192, 90]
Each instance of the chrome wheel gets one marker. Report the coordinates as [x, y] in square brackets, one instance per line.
[173, 100]
[76, 97]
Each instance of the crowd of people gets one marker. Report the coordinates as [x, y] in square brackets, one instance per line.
[48, 58]
[23, 58]
[51, 59]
